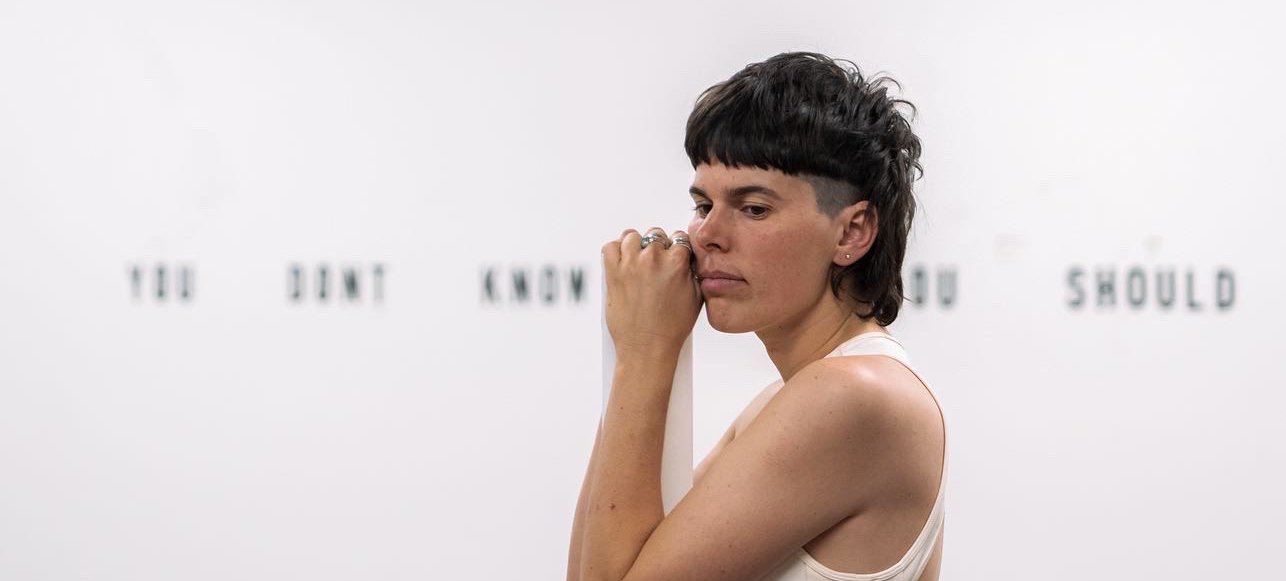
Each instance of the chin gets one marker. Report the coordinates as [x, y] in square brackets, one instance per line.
[725, 322]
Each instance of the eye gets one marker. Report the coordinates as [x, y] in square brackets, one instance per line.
[756, 211]
[701, 209]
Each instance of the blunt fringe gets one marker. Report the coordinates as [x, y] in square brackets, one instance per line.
[807, 115]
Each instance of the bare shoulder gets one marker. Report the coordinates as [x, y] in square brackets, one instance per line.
[876, 383]
[877, 378]
[872, 401]
[876, 394]
[898, 424]
[828, 448]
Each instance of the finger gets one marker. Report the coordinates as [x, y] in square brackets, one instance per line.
[630, 243]
[611, 253]
[680, 238]
[658, 238]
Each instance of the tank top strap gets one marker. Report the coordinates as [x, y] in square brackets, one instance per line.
[873, 343]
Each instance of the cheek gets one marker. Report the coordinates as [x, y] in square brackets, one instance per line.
[791, 264]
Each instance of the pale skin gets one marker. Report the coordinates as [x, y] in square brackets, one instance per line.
[843, 457]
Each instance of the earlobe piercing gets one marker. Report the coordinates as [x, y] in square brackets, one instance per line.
[846, 256]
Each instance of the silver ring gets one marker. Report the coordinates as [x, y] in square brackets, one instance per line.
[682, 241]
[650, 238]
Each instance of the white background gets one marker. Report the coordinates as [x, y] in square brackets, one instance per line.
[435, 435]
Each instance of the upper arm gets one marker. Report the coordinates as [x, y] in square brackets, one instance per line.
[793, 473]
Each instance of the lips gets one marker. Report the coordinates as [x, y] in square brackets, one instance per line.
[718, 274]
[717, 282]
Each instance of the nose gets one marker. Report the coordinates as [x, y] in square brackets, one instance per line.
[709, 233]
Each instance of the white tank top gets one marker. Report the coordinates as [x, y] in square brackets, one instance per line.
[803, 567]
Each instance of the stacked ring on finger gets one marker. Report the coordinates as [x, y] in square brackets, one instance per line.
[650, 238]
[682, 241]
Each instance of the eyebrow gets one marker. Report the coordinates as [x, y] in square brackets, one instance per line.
[740, 192]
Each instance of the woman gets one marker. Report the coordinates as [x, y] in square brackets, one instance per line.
[837, 471]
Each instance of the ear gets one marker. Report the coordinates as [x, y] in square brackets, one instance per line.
[858, 224]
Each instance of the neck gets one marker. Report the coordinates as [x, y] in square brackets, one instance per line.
[814, 335]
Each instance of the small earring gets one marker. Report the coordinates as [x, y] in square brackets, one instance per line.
[848, 256]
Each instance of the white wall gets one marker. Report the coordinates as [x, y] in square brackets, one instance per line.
[432, 433]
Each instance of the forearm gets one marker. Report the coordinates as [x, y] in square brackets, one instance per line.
[624, 505]
[578, 526]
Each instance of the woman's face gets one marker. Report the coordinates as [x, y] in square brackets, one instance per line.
[763, 228]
